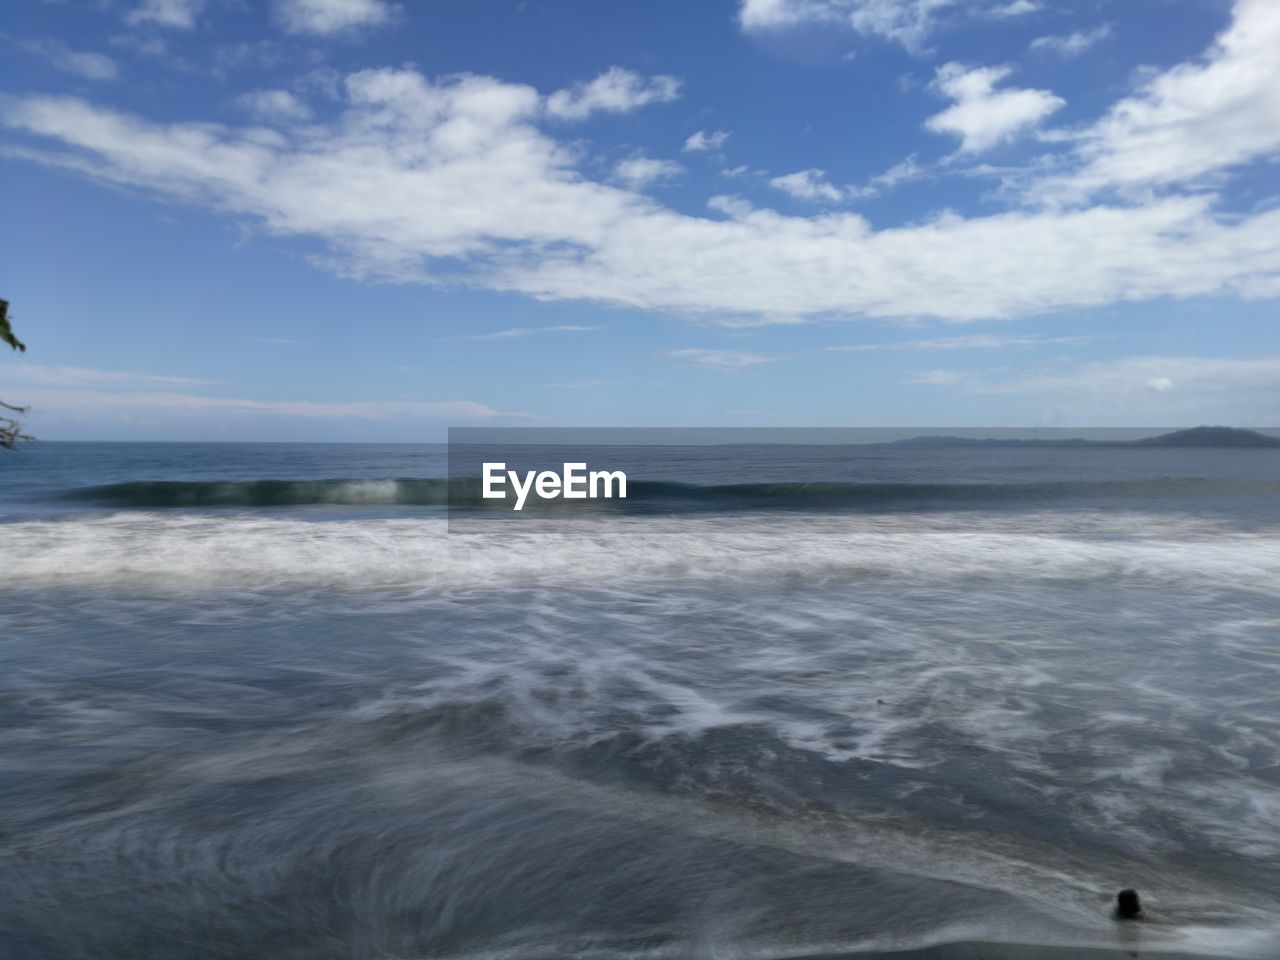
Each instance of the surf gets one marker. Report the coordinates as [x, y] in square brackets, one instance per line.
[647, 496]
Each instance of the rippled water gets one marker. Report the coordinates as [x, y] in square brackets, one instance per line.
[335, 729]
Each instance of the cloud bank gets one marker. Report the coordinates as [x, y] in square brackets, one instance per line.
[463, 180]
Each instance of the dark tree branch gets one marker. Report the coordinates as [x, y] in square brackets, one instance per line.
[6, 331]
[10, 429]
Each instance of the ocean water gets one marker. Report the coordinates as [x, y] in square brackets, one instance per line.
[260, 701]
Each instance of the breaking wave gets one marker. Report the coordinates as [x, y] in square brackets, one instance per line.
[649, 496]
[149, 494]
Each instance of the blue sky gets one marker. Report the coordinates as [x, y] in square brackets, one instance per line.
[352, 219]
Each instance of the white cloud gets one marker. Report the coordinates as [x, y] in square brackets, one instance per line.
[230, 59]
[79, 393]
[328, 17]
[1191, 383]
[972, 342]
[721, 359]
[615, 91]
[638, 172]
[1018, 8]
[734, 207]
[982, 116]
[703, 141]
[808, 185]
[274, 105]
[84, 376]
[937, 378]
[1070, 45]
[90, 66]
[760, 265]
[454, 182]
[512, 333]
[902, 172]
[908, 22]
[580, 384]
[178, 14]
[74, 403]
[150, 45]
[905, 171]
[1195, 119]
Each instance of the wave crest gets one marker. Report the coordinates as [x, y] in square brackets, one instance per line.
[660, 496]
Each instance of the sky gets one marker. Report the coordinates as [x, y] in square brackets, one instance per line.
[365, 220]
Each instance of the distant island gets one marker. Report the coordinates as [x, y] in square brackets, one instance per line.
[1195, 437]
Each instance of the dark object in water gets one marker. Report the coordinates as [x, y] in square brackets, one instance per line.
[1128, 905]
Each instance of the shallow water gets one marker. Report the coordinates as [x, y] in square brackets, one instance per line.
[336, 729]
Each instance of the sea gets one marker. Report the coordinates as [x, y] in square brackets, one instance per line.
[274, 701]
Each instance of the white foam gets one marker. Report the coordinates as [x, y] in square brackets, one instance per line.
[193, 551]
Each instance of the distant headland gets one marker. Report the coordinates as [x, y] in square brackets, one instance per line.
[1195, 437]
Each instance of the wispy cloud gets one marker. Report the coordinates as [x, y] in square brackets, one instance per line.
[176, 14]
[971, 342]
[1142, 385]
[940, 378]
[85, 403]
[513, 333]
[1016, 8]
[330, 17]
[1069, 45]
[721, 359]
[908, 22]
[90, 66]
[814, 186]
[905, 171]
[81, 392]
[579, 384]
[615, 91]
[1133, 375]
[703, 141]
[85, 376]
[279, 106]
[808, 185]
[639, 172]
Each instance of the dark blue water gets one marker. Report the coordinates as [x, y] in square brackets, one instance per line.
[259, 701]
